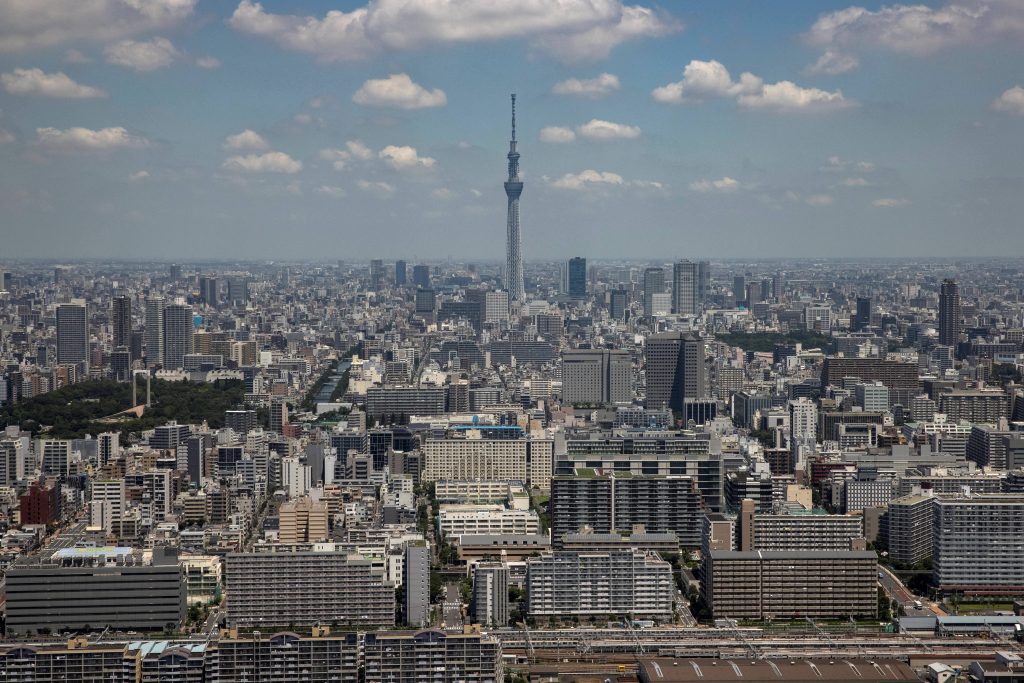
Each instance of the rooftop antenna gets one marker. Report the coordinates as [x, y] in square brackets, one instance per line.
[513, 117]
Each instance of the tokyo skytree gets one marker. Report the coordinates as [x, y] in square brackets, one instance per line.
[514, 240]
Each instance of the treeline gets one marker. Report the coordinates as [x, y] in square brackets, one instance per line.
[74, 411]
[766, 341]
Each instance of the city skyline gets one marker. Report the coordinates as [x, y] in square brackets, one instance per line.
[826, 131]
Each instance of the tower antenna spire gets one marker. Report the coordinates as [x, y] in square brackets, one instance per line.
[513, 117]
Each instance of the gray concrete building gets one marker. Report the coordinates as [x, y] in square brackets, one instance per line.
[910, 528]
[490, 593]
[431, 656]
[596, 376]
[978, 544]
[416, 583]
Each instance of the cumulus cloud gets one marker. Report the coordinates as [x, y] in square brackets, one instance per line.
[889, 203]
[918, 29]
[138, 176]
[590, 88]
[1011, 101]
[836, 164]
[358, 150]
[786, 96]
[596, 129]
[579, 181]
[36, 24]
[404, 157]
[570, 30]
[832, 63]
[855, 181]
[142, 56]
[703, 80]
[76, 57]
[86, 139]
[376, 187]
[338, 157]
[37, 82]
[443, 193]
[6, 137]
[246, 140]
[330, 191]
[725, 184]
[557, 134]
[269, 162]
[400, 92]
[208, 62]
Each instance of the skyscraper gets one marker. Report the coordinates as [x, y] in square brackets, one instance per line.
[654, 283]
[421, 276]
[949, 313]
[178, 328]
[514, 241]
[377, 274]
[155, 329]
[675, 369]
[703, 281]
[400, 273]
[576, 277]
[863, 315]
[739, 290]
[72, 334]
[685, 279]
[208, 291]
[121, 315]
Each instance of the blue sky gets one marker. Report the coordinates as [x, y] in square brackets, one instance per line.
[324, 130]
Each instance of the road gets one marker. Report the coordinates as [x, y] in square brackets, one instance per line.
[895, 589]
[67, 538]
[451, 609]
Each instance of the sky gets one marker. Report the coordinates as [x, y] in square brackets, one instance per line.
[323, 130]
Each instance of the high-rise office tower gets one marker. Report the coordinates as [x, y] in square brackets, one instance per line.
[400, 273]
[376, 274]
[421, 276]
[654, 283]
[121, 316]
[72, 334]
[155, 329]
[685, 277]
[703, 281]
[862, 318]
[675, 369]
[739, 290]
[514, 241]
[178, 329]
[175, 271]
[576, 277]
[618, 303]
[949, 313]
[208, 291]
[238, 291]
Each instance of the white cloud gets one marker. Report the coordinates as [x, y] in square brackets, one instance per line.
[400, 92]
[556, 134]
[6, 137]
[725, 184]
[591, 88]
[359, 150]
[138, 176]
[208, 62]
[37, 82]
[1011, 101]
[568, 29]
[832, 63]
[86, 139]
[330, 191]
[837, 164]
[579, 181]
[786, 96]
[818, 200]
[443, 193]
[36, 24]
[889, 203]
[918, 29]
[376, 187]
[247, 140]
[142, 56]
[337, 157]
[596, 129]
[856, 181]
[703, 80]
[403, 157]
[269, 162]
